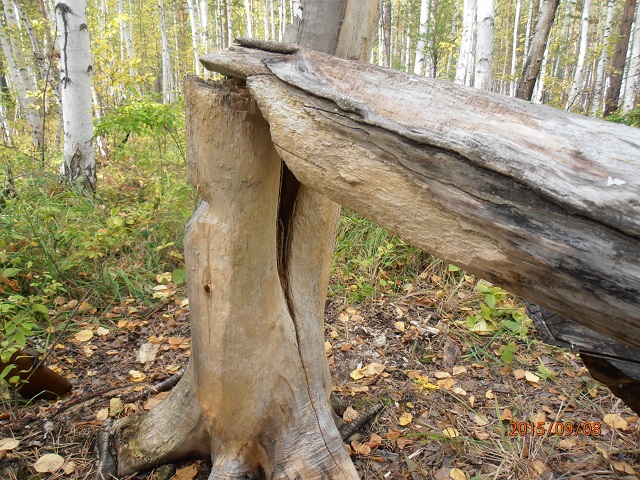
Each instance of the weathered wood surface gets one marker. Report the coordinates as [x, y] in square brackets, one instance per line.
[543, 202]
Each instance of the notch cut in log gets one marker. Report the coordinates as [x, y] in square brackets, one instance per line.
[543, 202]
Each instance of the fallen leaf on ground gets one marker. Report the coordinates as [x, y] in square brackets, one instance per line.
[84, 335]
[405, 419]
[531, 377]
[349, 414]
[375, 440]
[457, 474]
[519, 374]
[8, 443]
[403, 442]
[623, 467]
[459, 370]
[506, 415]
[102, 331]
[369, 371]
[360, 448]
[115, 406]
[186, 473]
[48, 463]
[393, 434]
[450, 432]
[567, 443]
[69, 467]
[615, 421]
[136, 376]
[446, 383]
[102, 414]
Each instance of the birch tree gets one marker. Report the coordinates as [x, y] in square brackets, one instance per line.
[582, 53]
[485, 15]
[596, 100]
[21, 76]
[464, 66]
[633, 70]
[229, 18]
[168, 84]
[247, 11]
[78, 161]
[533, 60]
[194, 36]
[514, 50]
[420, 63]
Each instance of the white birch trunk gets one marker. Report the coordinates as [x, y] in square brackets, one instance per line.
[229, 32]
[633, 69]
[272, 21]
[577, 78]
[78, 162]
[465, 57]
[625, 73]
[598, 90]
[527, 33]
[168, 92]
[265, 20]
[280, 20]
[21, 77]
[514, 51]
[125, 29]
[484, 44]
[194, 37]
[420, 63]
[247, 11]
[204, 25]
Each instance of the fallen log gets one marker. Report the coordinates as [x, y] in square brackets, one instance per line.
[543, 202]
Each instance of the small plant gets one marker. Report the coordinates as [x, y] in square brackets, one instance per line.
[497, 312]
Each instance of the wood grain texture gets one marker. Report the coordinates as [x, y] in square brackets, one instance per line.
[516, 193]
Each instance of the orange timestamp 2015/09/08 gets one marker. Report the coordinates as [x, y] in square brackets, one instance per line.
[560, 429]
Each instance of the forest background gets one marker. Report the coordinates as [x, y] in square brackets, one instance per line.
[65, 251]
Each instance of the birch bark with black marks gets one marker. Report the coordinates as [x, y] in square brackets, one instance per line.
[598, 89]
[576, 86]
[633, 71]
[78, 158]
[612, 96]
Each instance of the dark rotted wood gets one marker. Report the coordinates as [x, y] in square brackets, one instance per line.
[541, 201]
[610, 362]
[35, 379]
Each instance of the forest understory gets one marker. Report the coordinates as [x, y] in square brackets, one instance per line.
[452, 392]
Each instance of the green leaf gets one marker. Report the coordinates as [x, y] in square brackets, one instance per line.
[483, 288]
[452, 268]
[490, 300]
[10, 272]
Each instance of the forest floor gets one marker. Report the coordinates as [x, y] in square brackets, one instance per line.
[452, 401]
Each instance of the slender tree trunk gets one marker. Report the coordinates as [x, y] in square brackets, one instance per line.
[596, 101]
[21, 77]
[465, 63]
[272, 21]
[527, 32]
[514, 50]
[539, 89]
[78, 162]
[576, 86]
[633, 70]
[194, 37]
[485, 15]
[168, 86]
[229, 19]
[619, 59]
[280, 20]
[204, 26]
[254, 396]
[419, 65]
[247, 11]
[539, 41]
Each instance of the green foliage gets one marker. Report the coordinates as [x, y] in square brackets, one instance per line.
[143, 118]
[497, 312]
[632, 118]
[369, 262]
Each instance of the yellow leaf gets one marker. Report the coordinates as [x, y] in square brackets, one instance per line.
[84, 307]
[84, 335]
[459, 391]
[459, 370]
[519, 374]
[102, 414]
[328, 348]
[567, 443]
[440, 375]
[115, 406]
[506, 415]
[446, 383]
[102, 331]
[480, 420]
[489, 394]
[615, 421]
[48, 463]
[360, 448]
[531, 377]
[423, 384]
[450, 432]
[457, 474]
[136, 376]
[8, 443]
[399, 326]
[405, 419]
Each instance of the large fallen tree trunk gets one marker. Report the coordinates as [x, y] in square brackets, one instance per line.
[543, 202]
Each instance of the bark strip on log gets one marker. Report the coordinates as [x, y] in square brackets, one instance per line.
[540, 201]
